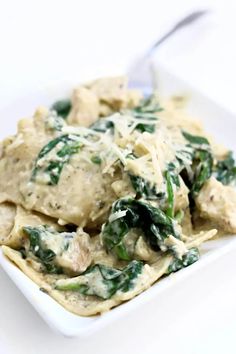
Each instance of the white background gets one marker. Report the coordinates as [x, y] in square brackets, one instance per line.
[45, 42]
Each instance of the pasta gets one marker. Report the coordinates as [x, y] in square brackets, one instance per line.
[106, 192]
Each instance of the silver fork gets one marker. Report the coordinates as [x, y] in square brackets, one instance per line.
[140, 73]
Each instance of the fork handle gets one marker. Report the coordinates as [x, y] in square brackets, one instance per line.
[182, 23]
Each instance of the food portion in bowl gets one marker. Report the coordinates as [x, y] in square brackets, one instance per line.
[108, 191]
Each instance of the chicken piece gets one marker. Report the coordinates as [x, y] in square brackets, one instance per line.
[85, 107]
[216, 202]
[71, 250]
[101, 98]
[143, 252]
[114, 92]
[77, 257]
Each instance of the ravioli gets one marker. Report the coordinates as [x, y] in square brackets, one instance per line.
[14, 217]
[82, 186]
[107, 191]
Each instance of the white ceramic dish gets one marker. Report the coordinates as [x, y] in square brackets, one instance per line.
[217, 121]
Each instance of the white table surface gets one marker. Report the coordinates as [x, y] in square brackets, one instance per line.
[44, 42]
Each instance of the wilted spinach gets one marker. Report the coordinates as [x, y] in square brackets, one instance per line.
[225, 170]
[62, 108]
[200, 169]
[195, 139]
[144, 189]
[144, 127]
[147, 110]
[170, 195]
[189, 258]
[154, 223]
[45, 255]
[173, 173]
[96, 159]
[102, 281]
[102, 125]
[62, 148]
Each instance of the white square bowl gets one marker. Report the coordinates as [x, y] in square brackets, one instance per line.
[220, 124]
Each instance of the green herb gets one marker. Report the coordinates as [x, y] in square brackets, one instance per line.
[189, 258]
[225, 170]
[144, 189]
[153, 222]
[62, 108]
[102, 281]
[96, 159]
[61, 148]
[46, 256]
[170, 195]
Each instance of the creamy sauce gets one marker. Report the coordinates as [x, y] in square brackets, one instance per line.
[138, 141]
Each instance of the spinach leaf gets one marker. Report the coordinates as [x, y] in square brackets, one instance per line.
[196, 173]
[170, 195]
[173, 173]
[184, 158]
[96, 159]
[113, 234]
[189, 258]
[147, 108]
[144, 189]
[199, 167]
[62, 108]
[142, 127]
[102, 281]
[225, 170]
[195, 139]
[46, 256]
[102, 125]
[154, 223]
[61, 148]
[202, 168]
